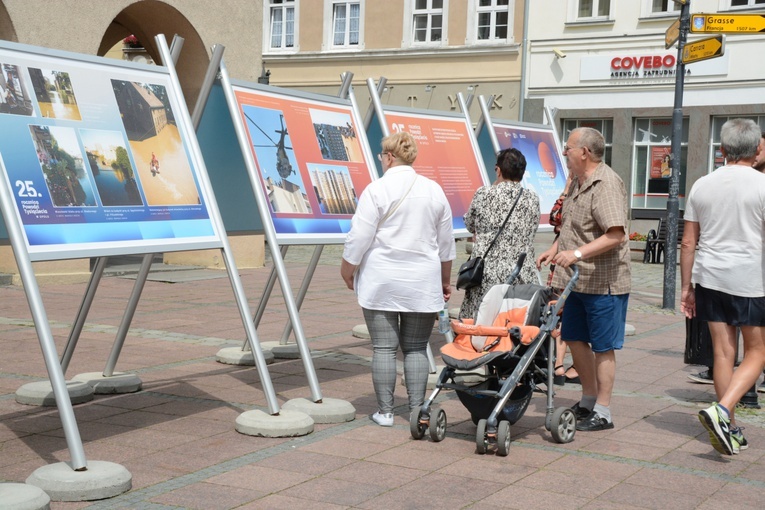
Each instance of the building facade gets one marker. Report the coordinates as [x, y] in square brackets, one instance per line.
[427, 50]
[604, 64]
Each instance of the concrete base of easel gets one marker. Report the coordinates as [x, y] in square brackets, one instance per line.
[40, 393]
[330, 410]
[21, 496]
[237, 356]
[361, 331]
[100, 480]
[118, 382]
[286, 424]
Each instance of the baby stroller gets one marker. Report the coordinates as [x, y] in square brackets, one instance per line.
[510, 340]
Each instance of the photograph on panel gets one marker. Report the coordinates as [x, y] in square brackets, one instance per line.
[336, 136]
[160, 157]
[276, 159]
[55, 94]
[13, 92]
[58, 152]
[333, 188]
[110, 165]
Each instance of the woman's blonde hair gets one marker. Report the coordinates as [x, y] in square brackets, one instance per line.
[402, 146]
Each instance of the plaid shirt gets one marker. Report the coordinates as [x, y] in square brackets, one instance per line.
[598, 204]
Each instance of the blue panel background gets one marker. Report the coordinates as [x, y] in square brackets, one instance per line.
[226, 167]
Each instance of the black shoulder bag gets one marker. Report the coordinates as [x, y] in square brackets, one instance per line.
[471, 272]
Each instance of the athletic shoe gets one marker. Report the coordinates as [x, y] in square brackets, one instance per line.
[704, 377]
[738, 441]
[383, 419]
[718, 427]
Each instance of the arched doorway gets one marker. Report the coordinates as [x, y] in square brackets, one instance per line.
[7, 31]
[147, 19]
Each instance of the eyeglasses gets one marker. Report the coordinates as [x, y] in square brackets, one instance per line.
[380, 155]
[566, 148]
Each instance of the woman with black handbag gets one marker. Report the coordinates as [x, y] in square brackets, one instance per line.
[504, 219]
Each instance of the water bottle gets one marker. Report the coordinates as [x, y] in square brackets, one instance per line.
[444, 323]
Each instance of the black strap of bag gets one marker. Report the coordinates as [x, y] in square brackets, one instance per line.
[503, 223]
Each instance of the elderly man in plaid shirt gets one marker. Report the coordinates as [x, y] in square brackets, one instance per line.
[593, 236]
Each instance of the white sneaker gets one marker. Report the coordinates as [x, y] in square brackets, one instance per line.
[383, 420]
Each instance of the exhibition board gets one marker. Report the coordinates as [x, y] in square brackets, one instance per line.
[312, 157]
[546, 171]
[96, 159]
[447, 153]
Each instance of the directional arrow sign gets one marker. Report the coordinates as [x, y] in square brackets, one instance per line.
[672, 34]
[728, 23]
[704, 49]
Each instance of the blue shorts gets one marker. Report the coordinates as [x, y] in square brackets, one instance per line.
[717, 306]
[597, 319]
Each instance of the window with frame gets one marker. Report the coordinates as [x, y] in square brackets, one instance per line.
[492, 20]
[428, 21]
[282, 24]
[664, 6]
[745, 3]
[715, 157]
[593, 9]
[346, 24]
[605, 126]
[652, 167]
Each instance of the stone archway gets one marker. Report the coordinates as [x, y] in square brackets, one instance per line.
[151, 17]
[7, 30]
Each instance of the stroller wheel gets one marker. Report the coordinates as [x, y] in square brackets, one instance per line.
[481, 441]
[503, 438]
[563, 425]
[438, 429]
[416, 427]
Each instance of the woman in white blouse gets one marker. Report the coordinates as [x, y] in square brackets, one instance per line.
[398, 259]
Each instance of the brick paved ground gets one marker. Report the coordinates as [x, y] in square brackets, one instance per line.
[177, 435]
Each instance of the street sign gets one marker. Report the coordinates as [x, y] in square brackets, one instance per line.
[728, 23]
[672, 34]
[704, 49]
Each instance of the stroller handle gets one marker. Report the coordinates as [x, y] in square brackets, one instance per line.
[517, 268]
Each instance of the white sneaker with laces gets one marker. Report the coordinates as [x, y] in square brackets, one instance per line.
[383, 419]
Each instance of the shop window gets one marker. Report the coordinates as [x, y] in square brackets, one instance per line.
[282, 24]
[605, 126]
[651, 165]
[716, 159]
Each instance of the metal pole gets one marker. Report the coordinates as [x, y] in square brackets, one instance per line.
[309, 272]
[175, 48]
[184, 122]
[673, 206]
[82, 314]
[270, 233]
[377, 106]
[207, 83]
[265, 296]
[483, 118]
[127, 318]
[371, 110]
[486, 117]
[42, 326]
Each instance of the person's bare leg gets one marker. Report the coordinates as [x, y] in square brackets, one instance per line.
[724, 347]
[605, 369]
[747, 373]
[584, 359]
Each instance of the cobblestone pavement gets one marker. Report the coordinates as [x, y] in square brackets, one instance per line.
[177, 438]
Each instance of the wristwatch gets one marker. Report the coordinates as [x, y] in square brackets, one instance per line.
[578, 254]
